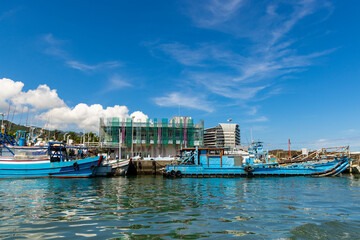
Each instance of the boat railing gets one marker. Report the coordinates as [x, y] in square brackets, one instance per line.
[7, 139]
[30, 151]
[323, 153]
[188, 156]
[5, 150]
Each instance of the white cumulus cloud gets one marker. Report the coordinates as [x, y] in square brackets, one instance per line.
[8, 89]
[52, 110]
[139, 116]
[41, 98]
[82, 116]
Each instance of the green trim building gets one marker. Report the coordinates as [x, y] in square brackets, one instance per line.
[150, 138]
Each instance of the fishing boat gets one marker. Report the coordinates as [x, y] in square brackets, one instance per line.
[209, 162]
[119, 167]
[43, 161]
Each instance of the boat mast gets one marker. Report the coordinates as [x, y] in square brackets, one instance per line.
[251, 135]
[12, 119]
[289, 150]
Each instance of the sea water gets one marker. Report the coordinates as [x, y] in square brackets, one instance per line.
[149, 207]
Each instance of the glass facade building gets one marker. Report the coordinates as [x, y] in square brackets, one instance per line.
[150, 138]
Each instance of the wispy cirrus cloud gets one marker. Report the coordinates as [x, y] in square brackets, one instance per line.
[261, 51]
[261, 21]
[224, 85]
[258, 119]
[55, 48]
[86, 67]
[184, 54]
[176, 99]
[116, 82]
[9, 13]
[213, 12]
[204, 55]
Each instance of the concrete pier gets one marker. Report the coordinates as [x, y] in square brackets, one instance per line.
[147, 167]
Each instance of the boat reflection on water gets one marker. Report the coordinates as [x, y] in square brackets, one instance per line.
[151, 207]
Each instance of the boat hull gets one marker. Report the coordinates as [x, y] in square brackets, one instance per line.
[81, 168]
[331, 168]
[120, 168]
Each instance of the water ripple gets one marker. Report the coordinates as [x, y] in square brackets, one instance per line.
[157, 208]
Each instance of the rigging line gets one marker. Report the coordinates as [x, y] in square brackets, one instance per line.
[12, 119]
[22, 111]
[7, 119]
[27, 117]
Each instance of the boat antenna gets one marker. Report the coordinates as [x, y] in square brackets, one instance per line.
[289, 150]
[12, 118]
[27, 117]
[251, 135]
[247, 140]
[7, 117]
[22, 111]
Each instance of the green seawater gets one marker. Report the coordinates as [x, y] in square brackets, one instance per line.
[149, 207]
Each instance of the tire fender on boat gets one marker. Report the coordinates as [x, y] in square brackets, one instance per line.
[178, 173]
[76, 166]
[248, 168]
[93, 167]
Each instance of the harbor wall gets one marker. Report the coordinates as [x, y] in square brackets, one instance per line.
[147, 167]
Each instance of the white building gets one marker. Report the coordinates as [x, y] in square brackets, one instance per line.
[225, 135]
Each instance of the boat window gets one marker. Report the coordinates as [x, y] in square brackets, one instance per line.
[214, 152]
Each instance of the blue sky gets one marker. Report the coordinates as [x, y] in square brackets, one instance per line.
[286, 69]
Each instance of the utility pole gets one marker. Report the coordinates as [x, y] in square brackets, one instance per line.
[132, 136]
[120, 142]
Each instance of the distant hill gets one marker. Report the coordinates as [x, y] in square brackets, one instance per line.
[58, 135]
[12, 128]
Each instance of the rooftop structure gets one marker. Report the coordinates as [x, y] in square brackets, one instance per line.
[157, 137]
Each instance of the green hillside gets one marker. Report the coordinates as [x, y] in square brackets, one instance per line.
[57, 135]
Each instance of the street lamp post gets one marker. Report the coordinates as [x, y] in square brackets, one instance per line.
[132, 136]
[2, 125]
[65, 136]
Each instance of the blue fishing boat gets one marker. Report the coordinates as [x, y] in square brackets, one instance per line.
[209, 162]
[43, 161]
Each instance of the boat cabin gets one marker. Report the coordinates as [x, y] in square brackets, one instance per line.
[210, 157]
[218, 157]
[21, 138]
[57, 152]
